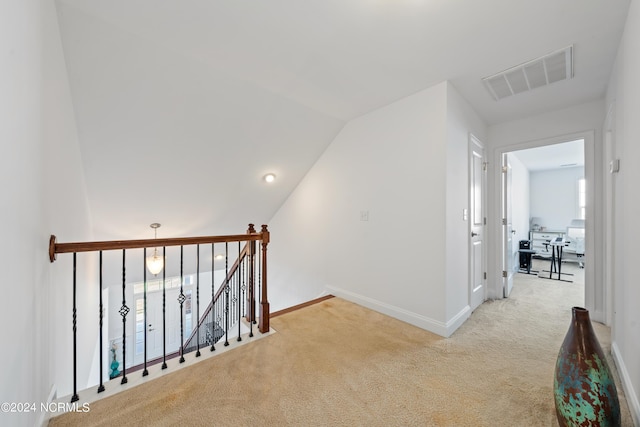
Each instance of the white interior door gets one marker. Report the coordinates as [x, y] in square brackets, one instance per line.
[509, 265]
[477, 260]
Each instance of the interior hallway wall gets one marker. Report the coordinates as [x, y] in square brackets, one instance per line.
[624, 95]
[68, 217]
[555, 208]
[369, 222]
[43, 193]
[25, 333]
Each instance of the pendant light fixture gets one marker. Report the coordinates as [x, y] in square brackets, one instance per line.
[155, 262]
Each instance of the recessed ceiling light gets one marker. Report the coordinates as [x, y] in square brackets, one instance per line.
[270, 177]
[219, 256]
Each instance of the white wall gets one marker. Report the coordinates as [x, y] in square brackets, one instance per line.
[554, 196]
[386, 162]
[23, 255]
[624, 94]
[67, 216]
[396, 164]
[39, 151]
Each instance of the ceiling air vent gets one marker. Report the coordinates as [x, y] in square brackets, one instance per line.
[543, 71]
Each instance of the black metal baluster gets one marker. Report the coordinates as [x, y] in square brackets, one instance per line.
[243, 266]
[198, 300]
[75, 397]
[239, 294]
[101, 387]
[226, 294]
[213, 298]
[124, 310]
[232, 299]
[259, 279]
[251, 288]
[181, 299]
[164, 307]
[145, 372]
[220, 309]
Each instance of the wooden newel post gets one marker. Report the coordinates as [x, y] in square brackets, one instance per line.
[251, 294]
[263, 326]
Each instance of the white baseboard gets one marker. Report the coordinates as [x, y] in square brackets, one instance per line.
[423, 322]
[629, 392]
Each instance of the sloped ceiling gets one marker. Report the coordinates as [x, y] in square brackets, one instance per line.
[183, 105]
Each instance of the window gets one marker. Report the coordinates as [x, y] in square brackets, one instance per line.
[582, 198]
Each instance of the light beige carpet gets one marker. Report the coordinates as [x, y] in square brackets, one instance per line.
[338, 364]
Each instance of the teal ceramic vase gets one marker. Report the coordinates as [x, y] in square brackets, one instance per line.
[585, 393]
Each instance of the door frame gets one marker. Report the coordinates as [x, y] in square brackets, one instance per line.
[594, 280]
[609, 214]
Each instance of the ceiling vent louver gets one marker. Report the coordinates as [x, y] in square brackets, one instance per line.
[543, 71]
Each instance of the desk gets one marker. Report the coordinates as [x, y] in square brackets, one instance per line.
[556, 258]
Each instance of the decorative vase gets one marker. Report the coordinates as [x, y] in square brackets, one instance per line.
[585, 393]
[114, 363]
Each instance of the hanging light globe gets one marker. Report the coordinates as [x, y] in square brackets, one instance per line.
[155, 262]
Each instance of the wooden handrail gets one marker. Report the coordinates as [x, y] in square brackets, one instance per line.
[59, 248]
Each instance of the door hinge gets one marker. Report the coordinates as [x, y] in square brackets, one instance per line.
[485, 275]
[504, 274]
[504, 221]
[504, 169]
[484, 221]
[484, 165]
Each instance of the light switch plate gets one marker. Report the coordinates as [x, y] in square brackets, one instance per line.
[614, 166]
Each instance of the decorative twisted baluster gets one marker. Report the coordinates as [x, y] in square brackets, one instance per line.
[239, 294]
[226, 294]
[181, 299]
[251, 303]
[198, 300]
[124, 310]
[213, 299]
[145, 372]
[164, 310]
[101, 316]
[75, 397]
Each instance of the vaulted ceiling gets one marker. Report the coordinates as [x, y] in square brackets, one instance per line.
[183, 105]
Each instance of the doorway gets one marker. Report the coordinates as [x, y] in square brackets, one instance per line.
[544, 204]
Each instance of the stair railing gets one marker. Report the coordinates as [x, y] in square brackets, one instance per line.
[233, 297]
[236, 296]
